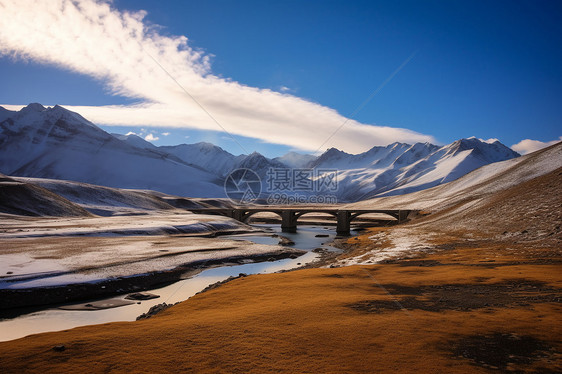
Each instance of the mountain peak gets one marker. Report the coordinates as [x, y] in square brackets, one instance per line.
[206, 145]
[33, 107]
[491, 151]
[255, 154]
[330, 152]
[58, 108]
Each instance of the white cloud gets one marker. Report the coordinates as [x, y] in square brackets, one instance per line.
[151, 138]
[165, 133]
[284, 89]
[131, 133]
[118, 48]
[528, 145]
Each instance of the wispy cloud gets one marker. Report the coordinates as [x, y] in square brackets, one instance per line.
[165, 133]
[121, 50]
[528, 145]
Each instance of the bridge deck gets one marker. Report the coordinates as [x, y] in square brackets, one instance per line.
[290, 215]
[308, 210]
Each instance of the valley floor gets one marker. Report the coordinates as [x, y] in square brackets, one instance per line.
[460, 304]
[55, 260]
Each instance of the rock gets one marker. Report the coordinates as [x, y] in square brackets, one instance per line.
[97, 305]
[154, 310]
[141, 296]
[285, 241]
[59, 348]
[321, 236]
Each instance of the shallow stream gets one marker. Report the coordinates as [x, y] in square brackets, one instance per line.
[54, 319]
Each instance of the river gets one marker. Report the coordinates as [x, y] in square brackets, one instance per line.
[54, 319]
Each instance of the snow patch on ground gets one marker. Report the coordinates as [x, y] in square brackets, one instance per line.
[151, 224]
[404, 244]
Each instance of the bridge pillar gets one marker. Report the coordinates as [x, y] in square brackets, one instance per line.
[288, 221]
[344, 220]
[403, 215]
[238, 214]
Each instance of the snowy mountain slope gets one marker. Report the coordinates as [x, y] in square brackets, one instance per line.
[220, 162]
[484, 181]
[135, 141]
[107, 201]
[98, 199]
[402, 168]
[5, 113]
[205, 155]
[394, 169]
[27, 199]
[259, 164]
[59, 144]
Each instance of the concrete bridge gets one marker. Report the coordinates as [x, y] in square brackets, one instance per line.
[290, 216]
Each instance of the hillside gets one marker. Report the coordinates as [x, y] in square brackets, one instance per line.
[27, 199]
[107, 201]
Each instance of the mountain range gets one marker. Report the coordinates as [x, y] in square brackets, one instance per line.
[56, 143]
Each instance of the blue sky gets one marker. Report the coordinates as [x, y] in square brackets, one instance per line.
[490, 69]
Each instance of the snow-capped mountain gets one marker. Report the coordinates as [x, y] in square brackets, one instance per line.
[401, 168]
[218, 161]
[59, 144]
[205, 155]
[259, 164]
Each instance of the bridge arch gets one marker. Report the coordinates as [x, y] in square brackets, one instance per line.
[392, 214]
[300, 214]
[247, 215]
